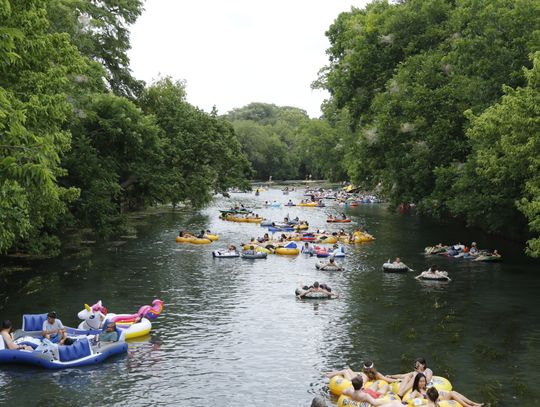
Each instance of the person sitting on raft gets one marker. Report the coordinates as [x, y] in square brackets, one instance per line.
[308, 249]
[397, 261]
[473, 251]
[407, 379]
[359, 394]
[434, 396]
[419, 388]
[231, 248]
[7, 336]
[432, 273]
[251, 250]
[53, 329]
[370, 374]
[110, 334]
[317, 288]
[343, 216]
[183, 233]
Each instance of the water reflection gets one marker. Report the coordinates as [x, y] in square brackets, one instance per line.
[233, 332]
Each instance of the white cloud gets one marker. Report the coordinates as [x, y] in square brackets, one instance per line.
[235, 52]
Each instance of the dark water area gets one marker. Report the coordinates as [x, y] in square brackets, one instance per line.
[233, 334]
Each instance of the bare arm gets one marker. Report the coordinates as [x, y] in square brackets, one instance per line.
[387, 379]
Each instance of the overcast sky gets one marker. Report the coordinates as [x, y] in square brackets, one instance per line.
[234, 52]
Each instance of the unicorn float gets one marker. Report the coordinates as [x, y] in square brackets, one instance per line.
[134, 325]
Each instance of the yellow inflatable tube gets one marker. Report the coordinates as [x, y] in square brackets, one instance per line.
[440, 383]
[257, 248]
[183, 239]
[338, 384]
[287, 251]
[137, 329]
[196, 240]
[346, 401]
[211, 236]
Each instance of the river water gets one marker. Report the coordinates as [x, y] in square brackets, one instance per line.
[233, 334]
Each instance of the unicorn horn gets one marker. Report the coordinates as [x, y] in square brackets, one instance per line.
[87, 307]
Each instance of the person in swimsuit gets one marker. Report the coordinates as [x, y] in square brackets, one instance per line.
[370, 374]
[6, 336]
[419, 388]
[434, 396]
[407, 379]
[359, 394]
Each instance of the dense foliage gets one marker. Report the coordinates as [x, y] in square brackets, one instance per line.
[421, 82]
[284, 143]
[81, 140]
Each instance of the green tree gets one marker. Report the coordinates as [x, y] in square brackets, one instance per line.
[37, 69]
[100, 30]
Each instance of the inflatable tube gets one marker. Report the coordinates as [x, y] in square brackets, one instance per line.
[225, 254]
[434, 278]
[266, 223]
[440, 383]
[449, 403]
[254, 256]
[308, 238]
[277, 229]
[395, 267]
[287, 251]
[301, 226]
[327, 267]
[180, 239]
[363, 238]
[258, 249]
[338, 220]
[196, 240]
[485, 257]
[313, 295]
[212, 237]
[130, 325]
[346, 401]
[337, 384]
[329, 239]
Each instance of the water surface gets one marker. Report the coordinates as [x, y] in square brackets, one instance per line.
[233, 333]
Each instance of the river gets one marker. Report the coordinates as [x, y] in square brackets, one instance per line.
[233, 334]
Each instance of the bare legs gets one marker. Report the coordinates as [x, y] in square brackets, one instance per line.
[406, 384]
[347, 373]
[464, 401]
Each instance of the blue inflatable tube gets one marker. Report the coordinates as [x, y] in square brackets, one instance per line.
[274, 229]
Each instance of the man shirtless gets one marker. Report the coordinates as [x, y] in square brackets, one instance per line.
[358, 394]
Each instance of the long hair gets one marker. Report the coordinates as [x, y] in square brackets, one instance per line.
[369, 370]
[417, 380]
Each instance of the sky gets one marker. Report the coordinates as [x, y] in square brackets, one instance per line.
[234, 52]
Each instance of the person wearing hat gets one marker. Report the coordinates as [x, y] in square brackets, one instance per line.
[53, 329]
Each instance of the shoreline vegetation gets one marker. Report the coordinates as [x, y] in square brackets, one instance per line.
[432, 103]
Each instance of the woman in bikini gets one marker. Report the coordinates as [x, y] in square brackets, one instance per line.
[407, 379]
[419, 390]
